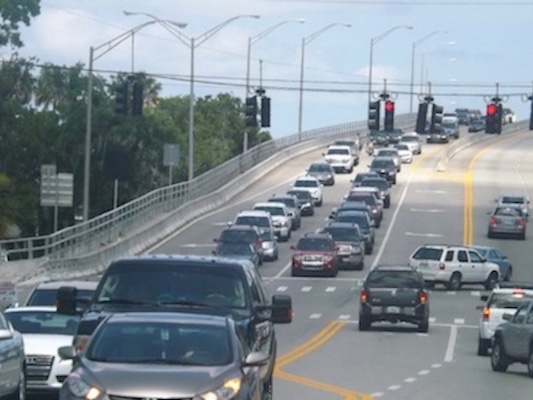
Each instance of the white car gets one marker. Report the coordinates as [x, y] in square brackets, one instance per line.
[312, 185]
[341, 158]
[509, 117]
[44, 331]
[281, 218]
[406, 155]
[505, 299]
[413, 141]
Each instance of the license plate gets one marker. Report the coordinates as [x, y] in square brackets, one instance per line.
[393, 310]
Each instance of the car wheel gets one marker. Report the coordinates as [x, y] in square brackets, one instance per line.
[492, 281]
[490, 235]
[394, 181]
[530, 364]
[455, 282]
[430, 285]
[378, 223]
[364, 323]
[386, 203]
[369, 249]
[268, 390]
[509, 274]
[294, 272]
[319, 204]
[20, 393]
[498, 358]
[483, 347]
[523, 236]
[424, 326]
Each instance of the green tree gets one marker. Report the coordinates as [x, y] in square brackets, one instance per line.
[13, 13]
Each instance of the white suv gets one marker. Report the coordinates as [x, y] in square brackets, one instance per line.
[261, 219]
[454, 266]
[281, 218]
[503, 300]
[341, 158]
[312, 185]
[413, 141]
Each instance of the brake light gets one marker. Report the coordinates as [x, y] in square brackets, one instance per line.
[364, 296]
[423, 297]
[80, 342]
[493, 221]
[522, 222]
[486, 314]
[442, 266]
[518, 291]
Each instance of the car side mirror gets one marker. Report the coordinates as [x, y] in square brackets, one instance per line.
[230, 223]
[67, 352]
[507, 316]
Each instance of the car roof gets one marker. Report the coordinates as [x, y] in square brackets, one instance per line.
[335, 224]
[81, 285]
[241, 228]
[31, 309]
[364, 189]
[172, 317]
[383, 158]
[316, 235]
[307, 178]
[281, 196]
[339, 146]
[253, 213]
[393, 267]
[352, 212]
[270, 204]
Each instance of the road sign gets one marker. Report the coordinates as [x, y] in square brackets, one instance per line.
[171, 155]
[56, 189]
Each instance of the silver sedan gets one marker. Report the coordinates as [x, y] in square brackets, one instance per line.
[507, 221]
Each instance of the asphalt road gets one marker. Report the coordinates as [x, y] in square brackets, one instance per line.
[322, 355]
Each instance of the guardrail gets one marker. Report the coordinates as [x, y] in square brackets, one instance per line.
[474, 138]
[136, 225]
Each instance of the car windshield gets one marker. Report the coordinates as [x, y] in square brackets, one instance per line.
[156, 284]
[267, 235]
[362, 175]
[319, 168]
[305, 183]
[161, 343]
[271, 210]
[362, 197]
[315, 244]
[229, 248]
[512, 200]
[289, 202]
[345, 152]
[343, 234]
[401, 147]
[301, 194]
[383, 164]
[393, 279]
[450, 125]
[236, 235]
[252, 220]
[350, 143]
[508, 212]
[409, 139]
[358, 219]
[381, 184]
[387, 153]
[48, 297]
[509, 300]
[43, 322]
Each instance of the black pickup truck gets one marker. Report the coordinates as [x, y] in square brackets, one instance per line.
[194, 284]
[394, 293]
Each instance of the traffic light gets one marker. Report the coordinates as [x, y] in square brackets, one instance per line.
[265, 112]
[373, 115]
[121, 98]
[138, 99]
[492, 116]
[250, 112]
[389, 115]
[422, 118]
[499, 118]
[531, 115]
[436, 119]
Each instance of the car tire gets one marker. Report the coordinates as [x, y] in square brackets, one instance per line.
[492, 281]
[509, 274]
[364, 323]
[361, 265]
[20, 393]
[490, 235]
[369, 249]
[378, 223]
[319, 204]
[294, 273]
[530, 364]
[498, 358]
[386, 203]
[483, 347]
[424, 326]
[394, 181]
[523, 236]
[429, 285]
[268, 390]
[455, 282]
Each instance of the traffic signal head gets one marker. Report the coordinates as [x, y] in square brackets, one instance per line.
[492, 109]
[138, 99]
[265, 112]
[436, 119]
[494, 119]
[389, 115]
[250, 112]
[531, 116]
[422, 118]
[121, 98]
[373, 115]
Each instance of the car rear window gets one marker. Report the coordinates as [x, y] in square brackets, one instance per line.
[393, 279]
[508, 212]
[428, 253]
[509, 300]
[360, 197]
[343, 234]
[381, 184]
[512, 200]
[315, 244]
[236, 235]
[354, 219]
[48, 297]
[254, 221]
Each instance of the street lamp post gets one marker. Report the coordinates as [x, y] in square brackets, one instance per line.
[107, 46]
[252, 40]
[192, 43]
[413, 50]
[306, 40]
[373, 41]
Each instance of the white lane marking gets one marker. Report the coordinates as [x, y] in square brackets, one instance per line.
[315, 316]
[331, 289]
[282, 289]
[422, 334]
[431, 235]
[459, 321]
[344, 316]
[432, 320]
[377, 394]
[431, 191]
[196, 245]
[451, 293]
[448, 357]
[409, 380]
[220, 223]
[440, 324]
[475, 293]
[424, 372]
[285, 268]
[426, 210]
[306, 288]
[436, 365]
[394, 387]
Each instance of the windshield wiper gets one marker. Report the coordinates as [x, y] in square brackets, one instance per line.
[191, 304]
[125, 301]
[163, 361]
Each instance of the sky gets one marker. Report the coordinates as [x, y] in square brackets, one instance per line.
[466, 50]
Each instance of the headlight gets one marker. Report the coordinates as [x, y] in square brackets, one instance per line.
[391, 172]
[284, 223]
[227, 392]
[356, 250]
[79, 388]
[268, 245]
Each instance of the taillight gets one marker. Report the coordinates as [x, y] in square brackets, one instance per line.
[442, 266]
[423, 297]
[486, 313]
[364, 296]
[493, 221]
[522, 222]
[80, 342]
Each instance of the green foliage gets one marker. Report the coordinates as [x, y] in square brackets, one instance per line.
[14, 12]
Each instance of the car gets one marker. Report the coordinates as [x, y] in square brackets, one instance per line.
[323, 171]
[512, 340]
[314, 254]
[249, 234]
[438, 137]
[385, 168]
[341, 158]
[503, 299]
[394, 293]
[269, 243]
[454, 266]
[291, 202]
[370, 196]
[379, 138]
[166, 355]
[464, 116]
[44, 331]
[305, 201]
[312, 185]
[13, 362]
[260, 219]
[208, 285]
[477, 125]
[243, 250]
[509, 117]
[350, 243]
[496, 256]
[281, 220]
[45, 293]
[382, 185]
[394, 136]
[366, 225]
[363, 175]
[406, 155]
[351, 206]
[413, 141]
[356, 145]
[507, 221]
[393, 153]
[451, 127]
[514, 200]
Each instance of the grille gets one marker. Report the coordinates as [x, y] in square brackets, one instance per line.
[38, 367]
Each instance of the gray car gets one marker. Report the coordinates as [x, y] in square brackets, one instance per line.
[323, 172]
[12, 362]
[165, 355]
[507, 221]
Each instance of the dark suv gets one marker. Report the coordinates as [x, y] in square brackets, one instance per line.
[382, 185]
[239, 234]
[366, 225]
[385, 167]
[192, 284]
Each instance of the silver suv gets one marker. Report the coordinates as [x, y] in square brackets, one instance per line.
[293, 207]
[454, 266]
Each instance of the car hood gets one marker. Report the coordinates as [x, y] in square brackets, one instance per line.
[155, 381]
[279, 218]
[45, 343]
[320, 174]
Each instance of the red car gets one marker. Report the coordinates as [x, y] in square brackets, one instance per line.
[315, 254]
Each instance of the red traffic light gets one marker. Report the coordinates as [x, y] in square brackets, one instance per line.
[492, 109]
[389, 106]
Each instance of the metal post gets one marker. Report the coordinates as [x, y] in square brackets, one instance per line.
[88, 132]
[115, 193]
[191, 117]
[132, 52]
[370, 62]
[56, 205]
[170, 175]
[300, 109]
[422, 74]
[412, 89]
[247, 92]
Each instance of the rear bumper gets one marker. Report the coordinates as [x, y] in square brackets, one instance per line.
[417, 314]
